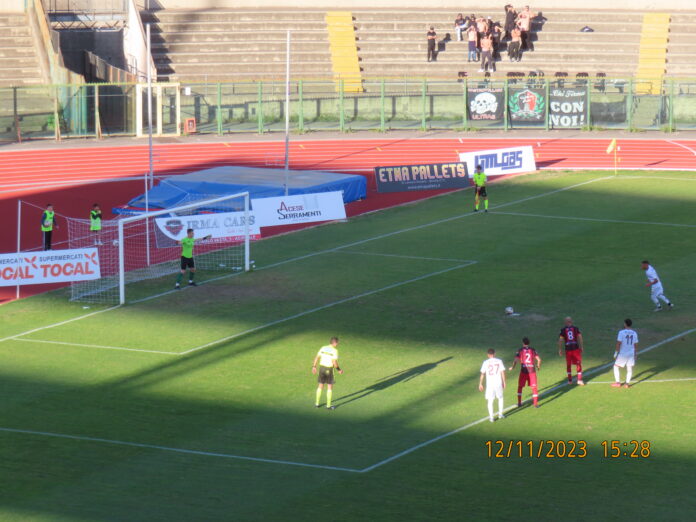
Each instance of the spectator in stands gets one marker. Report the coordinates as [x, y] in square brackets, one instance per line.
[487, 54]
[460, 26]
[496, 34]
[432, 44]
[481, 27]
[472, 37]
[524, 22]
[510, 17]
[514, 45]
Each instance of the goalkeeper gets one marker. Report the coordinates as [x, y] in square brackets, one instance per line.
[187, 258]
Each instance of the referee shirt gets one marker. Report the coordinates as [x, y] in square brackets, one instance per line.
[327, 355]
[479, 179]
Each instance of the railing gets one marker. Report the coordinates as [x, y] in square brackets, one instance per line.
[223, 108]
[85, 6]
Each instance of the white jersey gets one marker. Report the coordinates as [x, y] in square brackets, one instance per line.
[651, 274]
[493, 368]
[628, 339]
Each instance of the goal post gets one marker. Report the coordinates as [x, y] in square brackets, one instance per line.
[144, 246]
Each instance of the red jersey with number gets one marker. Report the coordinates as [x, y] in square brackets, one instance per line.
[527, 357]
[570, 335]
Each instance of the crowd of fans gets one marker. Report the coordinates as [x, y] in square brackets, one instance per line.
[487, 38]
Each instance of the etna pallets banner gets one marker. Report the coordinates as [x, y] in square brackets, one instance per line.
[434, 176]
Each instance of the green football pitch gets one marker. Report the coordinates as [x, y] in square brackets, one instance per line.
[199, 404]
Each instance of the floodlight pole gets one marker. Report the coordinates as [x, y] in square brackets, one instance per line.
[287, 113]
[19, 235]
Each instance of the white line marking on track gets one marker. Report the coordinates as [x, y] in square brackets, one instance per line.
[692, 151]
[93, 346]
[647, 381]
[174, 450]
[598, 220]
[357, 252]
[324, 307]
[541, 394]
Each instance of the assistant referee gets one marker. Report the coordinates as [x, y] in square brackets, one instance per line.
[480, 187]
[327, 357]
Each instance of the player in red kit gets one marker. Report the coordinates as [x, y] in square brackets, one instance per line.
[530, 363]
[571, 338]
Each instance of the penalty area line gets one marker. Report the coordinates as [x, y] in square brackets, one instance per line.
[102, 347]
[541, 394]
[648, 381]
[173, 450]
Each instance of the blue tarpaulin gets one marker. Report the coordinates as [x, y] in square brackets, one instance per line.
[259, 182]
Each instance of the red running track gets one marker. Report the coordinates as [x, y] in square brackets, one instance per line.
[68, 177]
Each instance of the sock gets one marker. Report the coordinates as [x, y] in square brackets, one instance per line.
[535, 396]
[328, 398]
[500, 407]
[664, 299]
[654, 300]
[519, 396]
[617, 375]
[629, 374]
[191, 274]
[579, 374]
[318, 397]
[570, 373]
[485, 204]
[490, 408]
[476, 203]
[178, 277]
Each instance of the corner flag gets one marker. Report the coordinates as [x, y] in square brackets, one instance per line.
[611, 146]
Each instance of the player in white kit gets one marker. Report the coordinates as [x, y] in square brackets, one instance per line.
[656, 290]
[625, 354]
[494, 371]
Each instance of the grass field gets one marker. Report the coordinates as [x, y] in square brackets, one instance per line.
[198, 405]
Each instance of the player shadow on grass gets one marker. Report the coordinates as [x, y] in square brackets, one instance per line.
[649, 373]
[388, 381]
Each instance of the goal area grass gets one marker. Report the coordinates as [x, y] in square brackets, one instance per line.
[199, 404]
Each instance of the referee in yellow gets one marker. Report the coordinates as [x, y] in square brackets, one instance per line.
[327, 357]
[480, 187]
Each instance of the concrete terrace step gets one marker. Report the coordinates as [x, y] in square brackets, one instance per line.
[237, 26]
[16, 52]
[167, 16]
[229, 58]
[235, 46]
[199, 68]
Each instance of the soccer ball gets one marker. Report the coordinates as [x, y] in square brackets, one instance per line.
[115, 242]
[509, 310]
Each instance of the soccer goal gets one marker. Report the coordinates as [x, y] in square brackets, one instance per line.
[144, 247]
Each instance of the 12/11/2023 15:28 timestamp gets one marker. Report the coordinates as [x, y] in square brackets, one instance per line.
[566, 449]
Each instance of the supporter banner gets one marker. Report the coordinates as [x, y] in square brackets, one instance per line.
[224, 227]
[54, 266]
[527, 104]
[486, 104]
[501, 161]
[302, 208]
[567, 108]
[609, 112]
[421, 177]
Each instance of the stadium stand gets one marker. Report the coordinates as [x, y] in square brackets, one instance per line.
[19, 60]
[681, 50]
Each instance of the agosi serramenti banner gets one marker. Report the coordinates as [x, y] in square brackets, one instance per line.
[486, 104]
[54, 266]
[224, 227]
[300, 208]
[527, 105]
[496, 162]
[432, 176]
[567, 108]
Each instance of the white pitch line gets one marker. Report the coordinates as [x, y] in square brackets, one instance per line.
[93, 346]
[656, 177]
[403, 256]
[174, 450]
[541, 394]
[324, 307]
[598, 220]
[647, 381]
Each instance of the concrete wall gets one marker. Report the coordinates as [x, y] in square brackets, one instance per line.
[12, 6]
[615, 5]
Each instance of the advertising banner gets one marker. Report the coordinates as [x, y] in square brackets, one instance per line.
[567, 108]
[421, 177]
[501, 161]
[54, 266]
[224, 227]
[486, 104]
[527, 105]
[302, 208]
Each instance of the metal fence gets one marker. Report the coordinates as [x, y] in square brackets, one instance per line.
[116, 109]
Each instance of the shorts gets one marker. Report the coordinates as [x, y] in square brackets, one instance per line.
[494, 392]
[481, 191]
[625, 360]
[527, 378]
[326, 375]
[574, 356]
[187, 262]
[656, 290]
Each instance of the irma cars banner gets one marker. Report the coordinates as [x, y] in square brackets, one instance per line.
[223, 227]
[501, 161]
[301, 208]
[421, 177]
[54, 266]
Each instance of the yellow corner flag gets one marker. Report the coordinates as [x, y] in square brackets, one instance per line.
[611, 146]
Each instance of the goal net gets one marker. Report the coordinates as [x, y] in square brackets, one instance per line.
[144, 247]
